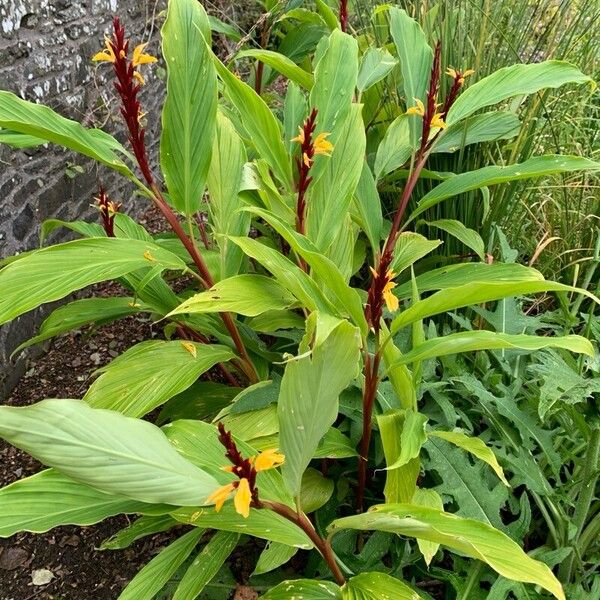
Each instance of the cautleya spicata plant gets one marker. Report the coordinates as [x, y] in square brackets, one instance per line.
[309, 301]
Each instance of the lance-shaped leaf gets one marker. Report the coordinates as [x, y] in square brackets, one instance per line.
[150, 373]
[261, 125]
[515, 80]
[42, 122]
[489, 127]
[140, 528]
[190, 110]
[50, 499]
[248, 295]
[83, 312]
[412, 438]
[539, 166]
[53, 273]
[274, 555]
[335, 81]
[368, 207]
[477, 293]
[331, 193]
[469, 341]
[375, 65]
[156, 574]
[410, 247]
[308, 400]
[476, 447]
[425, 497]
[395, 148]
[206, 565]
[282, 64]
[469, 237]
[472, 538]
[19, 140]
[416, 57]
[104, 449]
[375, 586]
[224, 184]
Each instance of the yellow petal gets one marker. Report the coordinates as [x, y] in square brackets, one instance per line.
[307, 161]
[139, 78]
[220, 495]
[419, 109]
[437, 121]
[269, 459]
[148, 256]
[451, 72]
[242, 499]
[468, 73]
[322, 146]
[142, 59]
[106, 55]
[374, 273]
[300, 137]
[391, 301]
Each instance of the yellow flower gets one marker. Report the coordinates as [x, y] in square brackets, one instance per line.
[419, 109]
[269, 459]
[107, 55]
[300, 137]
[139, 58]
[458, 75]
[452, 72]
[437, 121]
[391, 301]
[307, 160]
[243, 498]
[322, 146]
[219, 496]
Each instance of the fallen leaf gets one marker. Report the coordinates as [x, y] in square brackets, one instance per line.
[41, 577]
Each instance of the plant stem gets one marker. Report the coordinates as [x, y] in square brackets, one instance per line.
[471, 581]
[246, 363]
[302, 521]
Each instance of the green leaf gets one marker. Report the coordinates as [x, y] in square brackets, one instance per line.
[294, 113]
[190, 110]
[473, 538]
[538, 166]
[395, 148]
[331, 193]
[476, 293]
[142, 527]
[53, 273]
[150, 373]
[19, 140]
[410, 247]
[42, 122]
[488, 127]
[515, 80]
[49, 499]
[476, 447]
[469, 237]
[156, 574]
[104, 449]
[400, 483]
[262, 523]
[224, 183]
[460, 274]
[335, 82]
[262, 127]
[273, 556]
[308, 401]
[282, 64]
[416, 58]
[335, 445]
[328, 15]
[304, 589]
[468, 341]
[206, 565]
[368, 205]
[345, 299]
[286, 272]
[375, 65]
[375, 586]
[82, 312]
[412, 438]
[424, 497]
[249, 295]
[315, 490]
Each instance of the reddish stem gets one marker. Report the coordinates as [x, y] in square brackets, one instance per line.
[344, 15]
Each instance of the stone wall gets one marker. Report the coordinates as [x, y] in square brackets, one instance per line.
[45, 50]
